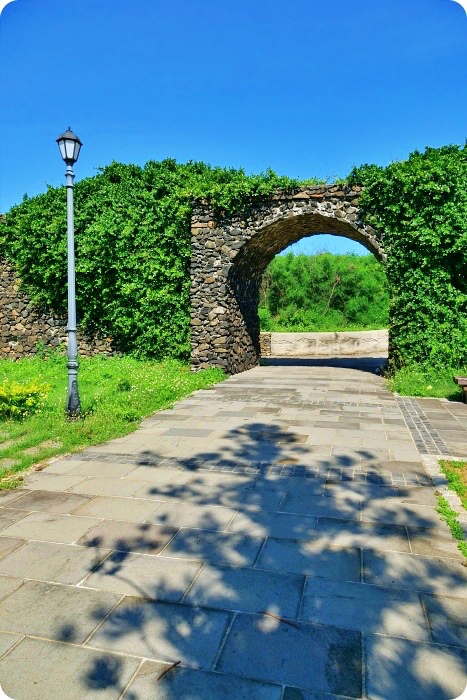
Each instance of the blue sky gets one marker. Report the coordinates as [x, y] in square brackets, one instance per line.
[307, 87]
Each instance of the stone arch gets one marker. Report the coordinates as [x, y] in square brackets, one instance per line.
[231, 252]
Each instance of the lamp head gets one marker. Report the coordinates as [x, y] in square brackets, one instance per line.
[69, 145]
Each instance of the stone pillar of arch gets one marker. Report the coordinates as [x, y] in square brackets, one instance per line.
[231, 252]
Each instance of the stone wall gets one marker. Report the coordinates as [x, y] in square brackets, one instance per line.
[265, 344]
[230, 254]
[324, 344]
[23, 327]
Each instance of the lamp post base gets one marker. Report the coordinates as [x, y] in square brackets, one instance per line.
[73, 406]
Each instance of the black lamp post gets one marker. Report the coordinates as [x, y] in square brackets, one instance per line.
[69, 145]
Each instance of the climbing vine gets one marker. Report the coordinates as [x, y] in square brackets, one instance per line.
[421, 206]
[132, 229]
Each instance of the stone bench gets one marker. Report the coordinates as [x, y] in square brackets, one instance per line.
[462, 382]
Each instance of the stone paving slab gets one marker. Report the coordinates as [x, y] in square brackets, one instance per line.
[9, 496]
[300, 694]
[53, 482]
[290, 485]
[50, 527]
[8, 584]
[65, 672]
[447, 618]
[300, 557]
[100, 469]
[7, 641]
[433, 543]
[398, 668]
[8, 545]
[116, 508]
[192, 515]
[96, 486]
[418, 573]
[214, 547]
[186, 684]
[246, 500]
[402, 513]
[62, 613]
[351, 533]
[128, 537]
[45, 561]
[314, 657]
[154, 578]
[175, 492]
[281, 525]
[49, 501]
[161, 475]
[247, 590]
[9, 516]
[164, 632]
[306, 504]
[370, 609]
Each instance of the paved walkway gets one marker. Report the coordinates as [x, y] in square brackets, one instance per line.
[276, 535]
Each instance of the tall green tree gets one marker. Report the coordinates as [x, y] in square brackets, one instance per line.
[324, 292]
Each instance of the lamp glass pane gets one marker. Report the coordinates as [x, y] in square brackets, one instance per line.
[76, 152]
[70, 149]
[61, 145]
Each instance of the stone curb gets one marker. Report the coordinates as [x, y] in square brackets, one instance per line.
[431, 463]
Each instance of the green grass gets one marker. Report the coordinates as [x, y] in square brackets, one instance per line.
[116, 393]
[456, 474]
[421, 381]
[450, 516]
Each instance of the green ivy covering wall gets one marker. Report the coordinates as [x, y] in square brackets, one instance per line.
[421, 205]
[132, 231]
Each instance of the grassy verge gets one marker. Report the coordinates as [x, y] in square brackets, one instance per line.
[456, 474]
[116, 393]
[422, 381]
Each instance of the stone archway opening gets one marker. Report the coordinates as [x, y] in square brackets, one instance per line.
[324, 296]
[230, 254]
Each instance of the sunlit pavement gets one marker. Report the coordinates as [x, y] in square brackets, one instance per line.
[275, 536]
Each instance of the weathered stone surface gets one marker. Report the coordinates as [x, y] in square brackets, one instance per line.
[24, 328]
[228, 261]
[327, 344]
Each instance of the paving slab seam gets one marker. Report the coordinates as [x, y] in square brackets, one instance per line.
[302, 597]
[364, 664]
[132, 678]
[223, 641]
[120, 600]
[93, 570]
[190, 585]
[426, 616]
[18, 641]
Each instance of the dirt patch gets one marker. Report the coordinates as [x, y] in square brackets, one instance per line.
[47, 444]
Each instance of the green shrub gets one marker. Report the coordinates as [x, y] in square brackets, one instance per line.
[421, 206]
[133, 247]
[20, 400]
[324, 292]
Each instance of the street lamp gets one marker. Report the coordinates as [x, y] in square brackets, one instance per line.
[69, 145]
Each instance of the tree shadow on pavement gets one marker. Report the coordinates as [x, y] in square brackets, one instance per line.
[271, 535]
